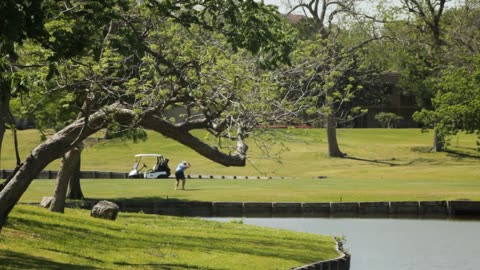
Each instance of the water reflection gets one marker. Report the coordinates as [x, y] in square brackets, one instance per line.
[394, 244]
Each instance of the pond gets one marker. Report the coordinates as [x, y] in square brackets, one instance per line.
[394, 244]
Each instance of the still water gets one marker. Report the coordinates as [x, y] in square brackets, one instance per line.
[394, 244]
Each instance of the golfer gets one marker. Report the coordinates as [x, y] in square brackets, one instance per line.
[180, 173]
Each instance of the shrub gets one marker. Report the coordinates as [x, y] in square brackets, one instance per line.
[388, 119]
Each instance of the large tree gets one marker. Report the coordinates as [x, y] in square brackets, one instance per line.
[326, 62]
[424, 42]
[72, 33]
[148, 67]
[455, 106]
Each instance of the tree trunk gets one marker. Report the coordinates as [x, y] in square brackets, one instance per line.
[74, 188]
[41, 156]
[333, 149]
[182, 135]
[69, 162]
[2, 134]
[4, 115]
[60, 143]
[15, 145]
[438, 143]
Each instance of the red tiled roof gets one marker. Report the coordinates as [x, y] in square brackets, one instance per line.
[294, 18]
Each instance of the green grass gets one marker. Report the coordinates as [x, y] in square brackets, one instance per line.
[382, 165]
[373, 154]
[290, 190]
[37, 239]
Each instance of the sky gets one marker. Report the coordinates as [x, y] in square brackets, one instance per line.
[283, 4]
[365, 4]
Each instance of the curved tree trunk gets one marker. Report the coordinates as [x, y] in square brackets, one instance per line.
[63, 141]
[333, 148]
[74, 188]
[40, 157]
[182, 135]
[69, 161]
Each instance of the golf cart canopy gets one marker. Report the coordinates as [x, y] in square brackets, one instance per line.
[159, 169]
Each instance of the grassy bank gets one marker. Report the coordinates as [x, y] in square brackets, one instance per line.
[38, 239]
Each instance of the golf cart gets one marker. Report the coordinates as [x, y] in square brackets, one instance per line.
[159, 170]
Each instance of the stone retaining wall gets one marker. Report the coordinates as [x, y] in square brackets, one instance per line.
[436, 209]
[83, 174]
[124, 175]
[340, 263]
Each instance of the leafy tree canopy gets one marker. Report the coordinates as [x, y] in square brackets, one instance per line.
[457, 103]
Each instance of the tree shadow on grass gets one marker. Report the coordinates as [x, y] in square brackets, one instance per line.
[451, 153]
[421, 149]
[461, 154]
[373, 161]
[15, 260]
[391, 162]
[74, 254]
